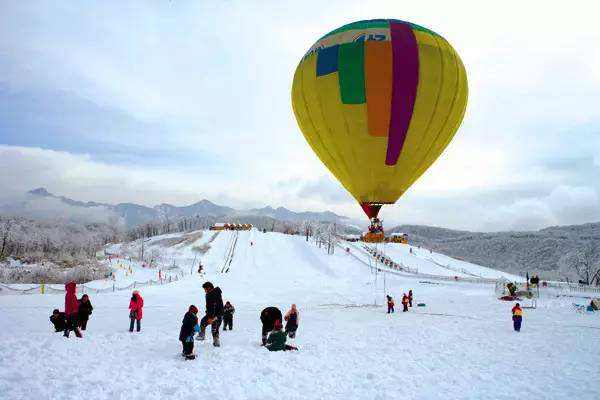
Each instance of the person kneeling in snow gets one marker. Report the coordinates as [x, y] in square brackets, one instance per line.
[277, 338]
[517, 316]
[59, 320]
[189, 325]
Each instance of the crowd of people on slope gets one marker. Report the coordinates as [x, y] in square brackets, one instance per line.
[407, 301]
[273, 337]
[78, 311]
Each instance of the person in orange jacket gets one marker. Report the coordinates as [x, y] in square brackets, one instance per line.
[517, 316]
[390, 304]
[405, 302]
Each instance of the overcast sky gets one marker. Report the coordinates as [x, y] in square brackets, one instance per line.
[176, 101]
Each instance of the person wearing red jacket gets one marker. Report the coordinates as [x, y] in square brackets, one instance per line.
[136, 305]
[390, 304]
[71, 309]
[405, 302]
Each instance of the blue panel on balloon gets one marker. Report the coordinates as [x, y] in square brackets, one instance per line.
[327, 60]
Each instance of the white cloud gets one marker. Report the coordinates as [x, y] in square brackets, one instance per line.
[217, 77]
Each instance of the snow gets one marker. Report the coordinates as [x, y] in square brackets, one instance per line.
[428, 262]
[461, 345]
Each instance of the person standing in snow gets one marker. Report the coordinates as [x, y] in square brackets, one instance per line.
[517, 316]
[277, 338]
[410, 298]
[71, 309]
[268, 316]
[228, 311]
[405, 302]
[59, 321]
[189, 325]
[136, 305]
[214, 312]
[85, 310]
[292, 318]
[390, 304]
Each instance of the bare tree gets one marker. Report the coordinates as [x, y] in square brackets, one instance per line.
[5, 237]
[587, 263]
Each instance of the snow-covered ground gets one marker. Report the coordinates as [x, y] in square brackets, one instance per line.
[460, 346]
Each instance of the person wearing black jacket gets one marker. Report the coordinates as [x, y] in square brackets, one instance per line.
[214, 312]
[228, 311]
[186, 334]
[268, 316]
[59, 320]
[85, 310]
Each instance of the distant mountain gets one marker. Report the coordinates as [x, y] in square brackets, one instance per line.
[549, 251]
[134, 214]
[283, 214]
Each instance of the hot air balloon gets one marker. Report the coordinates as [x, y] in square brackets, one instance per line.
[378, 101]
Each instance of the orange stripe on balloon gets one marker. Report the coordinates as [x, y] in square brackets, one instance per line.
[378, 85]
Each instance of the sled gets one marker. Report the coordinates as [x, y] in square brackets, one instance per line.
[421, 305]
[509, 298]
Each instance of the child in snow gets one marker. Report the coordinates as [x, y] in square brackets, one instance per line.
[517, 316]
[405, 302]
[136, 305]
[189, 325]
[277, 338]
[390, 304]
[228, 311]
[71, 309]
[410, 298]
[292, 318]
[85, 310]
[59, 321]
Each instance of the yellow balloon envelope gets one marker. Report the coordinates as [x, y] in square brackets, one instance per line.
[378, 101]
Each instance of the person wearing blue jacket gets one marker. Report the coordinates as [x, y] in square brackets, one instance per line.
[189, 326]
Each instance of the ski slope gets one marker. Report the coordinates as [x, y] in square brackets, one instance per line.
[461, 345]
[425, 261]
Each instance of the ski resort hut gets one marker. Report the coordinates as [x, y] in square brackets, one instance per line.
[398, 237]
[219, 226]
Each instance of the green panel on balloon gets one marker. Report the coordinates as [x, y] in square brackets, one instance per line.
[352, 73]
